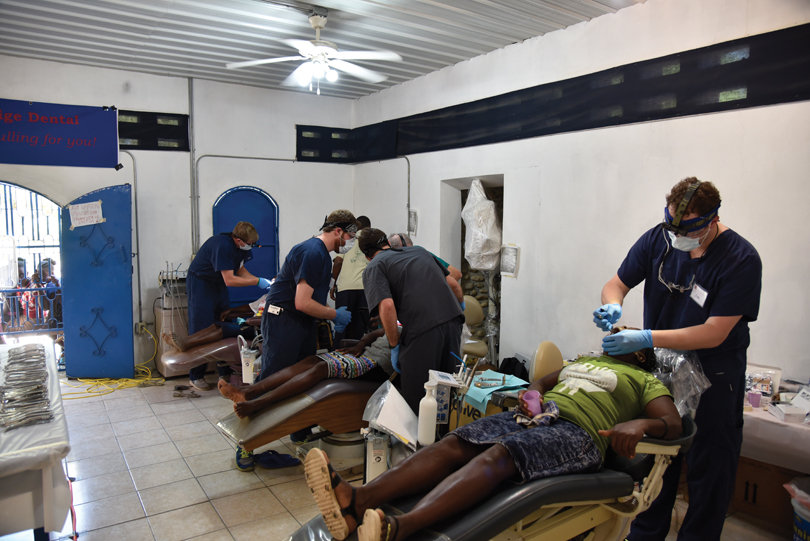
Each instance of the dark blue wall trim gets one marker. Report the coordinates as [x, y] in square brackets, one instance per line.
[766, 69]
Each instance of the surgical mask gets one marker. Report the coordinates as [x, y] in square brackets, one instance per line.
[686, 244]
[246, 247]
[346, 248]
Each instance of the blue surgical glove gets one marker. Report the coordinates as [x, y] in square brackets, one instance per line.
[395, 359]
[606, 315]
[463, 306]
[627, 342]
[264, 283]
[341, 319]
[240, 321]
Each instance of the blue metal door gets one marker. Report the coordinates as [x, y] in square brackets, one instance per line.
[97, 288]
[249, 204]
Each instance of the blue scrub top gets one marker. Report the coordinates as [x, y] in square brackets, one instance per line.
[217, 254]
[309, 261]
[730, 272]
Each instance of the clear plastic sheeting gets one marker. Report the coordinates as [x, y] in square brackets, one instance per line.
[482, 243]
[388, 412]
[683, 375]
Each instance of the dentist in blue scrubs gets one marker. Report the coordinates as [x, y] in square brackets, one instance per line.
[702, 284]
[218, 265]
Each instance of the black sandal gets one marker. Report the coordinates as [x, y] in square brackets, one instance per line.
[344, 511]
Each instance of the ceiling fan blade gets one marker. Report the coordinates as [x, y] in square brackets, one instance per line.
[358, 71]
[247, 63]
[301, 71]
[368, 55]
[303, 46]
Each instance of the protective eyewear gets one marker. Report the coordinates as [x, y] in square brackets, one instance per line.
[250, 244]
[348, 227]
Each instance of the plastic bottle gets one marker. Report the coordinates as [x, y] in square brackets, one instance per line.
[426, 433]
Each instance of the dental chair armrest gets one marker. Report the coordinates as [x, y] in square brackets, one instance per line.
[504, 399]
[683, 442]
[254, 321]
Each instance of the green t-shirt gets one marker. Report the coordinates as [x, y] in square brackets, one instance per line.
[597, 393]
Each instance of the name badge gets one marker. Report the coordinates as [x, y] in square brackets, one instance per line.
[699, 295]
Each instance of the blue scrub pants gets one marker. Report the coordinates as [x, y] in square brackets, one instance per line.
[206, 301]
[712, 463]
[287, 338]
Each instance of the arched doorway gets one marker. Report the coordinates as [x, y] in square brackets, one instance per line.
[30, 262]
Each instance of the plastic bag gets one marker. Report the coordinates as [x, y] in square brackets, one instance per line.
[682, 374]
[482, 242]
[388, 412]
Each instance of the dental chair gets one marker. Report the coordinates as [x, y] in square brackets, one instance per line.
[474, 315]
[601, 505]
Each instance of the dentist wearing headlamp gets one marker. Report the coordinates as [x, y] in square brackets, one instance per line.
[702, 284]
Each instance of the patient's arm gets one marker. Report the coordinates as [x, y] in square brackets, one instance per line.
[243, 311]
[663, 422]
[363, 343]
[542, 385]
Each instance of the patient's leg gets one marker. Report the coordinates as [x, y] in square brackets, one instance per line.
[420, 472]
[208, 335]
[276, 387]
[465, 487]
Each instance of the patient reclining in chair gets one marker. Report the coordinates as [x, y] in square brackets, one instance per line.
[369, 359]
[590, 405]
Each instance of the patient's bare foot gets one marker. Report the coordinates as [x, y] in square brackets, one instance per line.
[173, 340]
[229, 391]
[243, 409]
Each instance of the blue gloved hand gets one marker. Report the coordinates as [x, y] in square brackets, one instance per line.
[240, 321]
[606, 315]
[342, 318]
[463, 306]
[264, 283]
[395, 359]
[627, 342]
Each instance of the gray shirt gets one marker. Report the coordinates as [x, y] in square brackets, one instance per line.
[416, 283]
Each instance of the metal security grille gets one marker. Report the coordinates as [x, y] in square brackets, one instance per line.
[30, 292]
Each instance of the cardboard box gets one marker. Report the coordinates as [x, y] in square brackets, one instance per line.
[759, 492]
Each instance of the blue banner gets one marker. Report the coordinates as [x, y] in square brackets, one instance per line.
[51, 134]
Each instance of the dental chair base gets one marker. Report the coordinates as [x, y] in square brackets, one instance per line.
[334, 404]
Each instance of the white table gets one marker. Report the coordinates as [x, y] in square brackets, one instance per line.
[769, 440]
[34, 491]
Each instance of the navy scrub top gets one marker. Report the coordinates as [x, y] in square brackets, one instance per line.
[217, 254]
[309, 261]
[730, 272]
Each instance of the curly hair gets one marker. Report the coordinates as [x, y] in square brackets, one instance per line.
[706, 197]
[646, 358]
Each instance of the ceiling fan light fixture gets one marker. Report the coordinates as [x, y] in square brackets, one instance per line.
[331, 75]
[319, 69]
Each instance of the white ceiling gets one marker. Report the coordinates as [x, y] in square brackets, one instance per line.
[196, 38]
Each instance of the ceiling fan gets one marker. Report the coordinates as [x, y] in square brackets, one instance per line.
[323, 58]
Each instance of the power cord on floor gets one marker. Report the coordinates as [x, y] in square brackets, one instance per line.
[103, 386]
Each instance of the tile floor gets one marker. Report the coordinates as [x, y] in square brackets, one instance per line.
[149, 466]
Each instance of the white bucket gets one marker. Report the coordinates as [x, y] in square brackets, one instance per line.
[801, 521]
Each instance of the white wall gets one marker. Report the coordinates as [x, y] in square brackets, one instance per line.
[576, 202]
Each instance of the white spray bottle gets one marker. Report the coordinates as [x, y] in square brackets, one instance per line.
[248, 359]
[426, 433]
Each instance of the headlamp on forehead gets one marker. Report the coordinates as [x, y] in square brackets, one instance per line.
[348, 227]
[682, 227]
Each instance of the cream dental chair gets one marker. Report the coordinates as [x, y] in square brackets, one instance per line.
[597, 506]
[474, 315]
